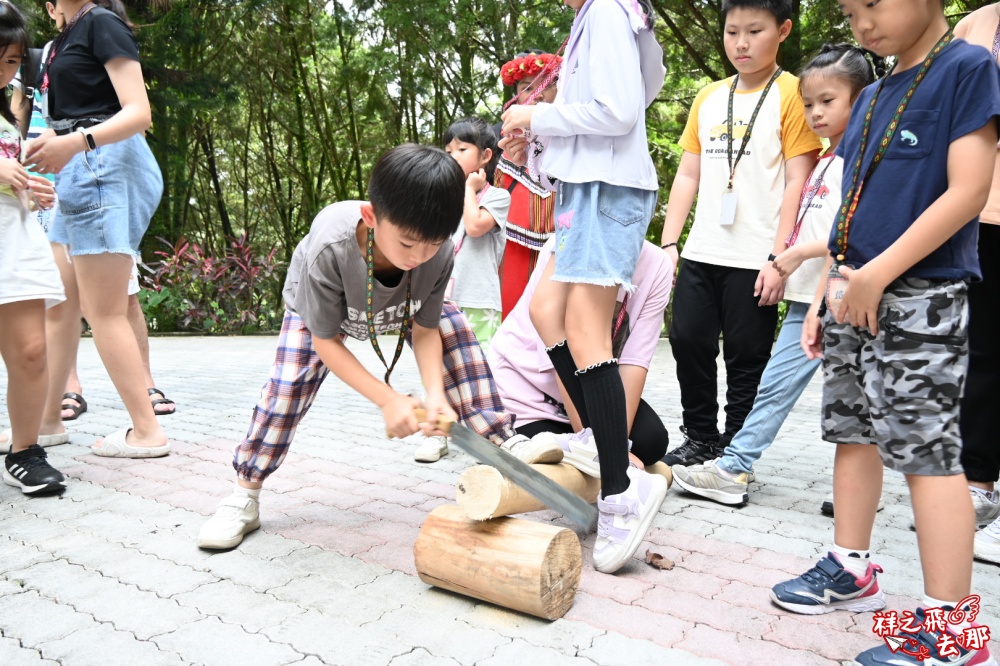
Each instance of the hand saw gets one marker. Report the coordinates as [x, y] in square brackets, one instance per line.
[541, 487]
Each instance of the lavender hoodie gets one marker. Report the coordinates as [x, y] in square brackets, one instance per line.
[596, 128]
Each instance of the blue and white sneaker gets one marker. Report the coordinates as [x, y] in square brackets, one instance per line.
[828, 587]
[922, 648]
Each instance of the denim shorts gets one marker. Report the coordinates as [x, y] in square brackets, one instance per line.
[600, 229]
[106, 198]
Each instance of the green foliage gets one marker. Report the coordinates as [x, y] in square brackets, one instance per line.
[265, 112]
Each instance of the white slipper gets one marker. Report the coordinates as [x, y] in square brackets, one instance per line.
[115, 446]
[43, 440]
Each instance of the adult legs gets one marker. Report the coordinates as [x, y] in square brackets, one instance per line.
[103, 279]
[747, 334]
[22, 346]
[694, 342]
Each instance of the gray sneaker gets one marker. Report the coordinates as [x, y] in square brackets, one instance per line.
[708, 481]
[237, 516]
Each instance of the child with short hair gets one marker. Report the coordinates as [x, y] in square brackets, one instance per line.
[829, 84]
[365, 268]
[479, 241]
[895, 326]
[747, 154]
[596, 148]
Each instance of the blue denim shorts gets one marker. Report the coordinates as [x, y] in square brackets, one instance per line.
[106, 198]
[599, 232]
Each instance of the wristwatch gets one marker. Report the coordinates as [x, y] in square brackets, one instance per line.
[91, 144]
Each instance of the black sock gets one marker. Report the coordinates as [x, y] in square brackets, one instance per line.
[604, 394]
[565, 368]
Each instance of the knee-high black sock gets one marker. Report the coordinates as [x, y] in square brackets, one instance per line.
[604, 394]
[565, 368]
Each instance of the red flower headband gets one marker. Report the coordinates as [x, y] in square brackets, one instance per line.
[530, 65]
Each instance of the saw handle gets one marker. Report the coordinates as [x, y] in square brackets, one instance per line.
[443, 424]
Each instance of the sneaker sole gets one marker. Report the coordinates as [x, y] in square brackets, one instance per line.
[722, 497]
[226, 544]
[986, 552]
[639, 533]
[44, 489]
[582, 463]
[430, 457]
[871, 603]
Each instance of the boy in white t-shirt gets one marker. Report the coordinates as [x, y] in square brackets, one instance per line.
[747, 154]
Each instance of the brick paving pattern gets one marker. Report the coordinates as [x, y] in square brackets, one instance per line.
[109, 573]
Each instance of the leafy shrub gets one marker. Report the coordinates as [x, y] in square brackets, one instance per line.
[193, 291]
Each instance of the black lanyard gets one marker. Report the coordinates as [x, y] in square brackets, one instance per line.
[853, 195]
[372, 335]
[753, 119]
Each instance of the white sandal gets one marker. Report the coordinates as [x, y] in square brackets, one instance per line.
[43, 440]
[115, 446]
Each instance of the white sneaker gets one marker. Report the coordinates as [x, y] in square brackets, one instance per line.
[625, 518]
[580, 450]
[987, 506]
[987, 544]
[237, 516]
[542, 448]
[432, 450]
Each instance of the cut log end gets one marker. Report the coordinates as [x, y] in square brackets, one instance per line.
[526, 566]
[480, 491]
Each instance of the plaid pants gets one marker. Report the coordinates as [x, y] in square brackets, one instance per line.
[298, 373]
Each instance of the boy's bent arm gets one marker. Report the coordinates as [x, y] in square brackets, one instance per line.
[397, 409]
[968, 189]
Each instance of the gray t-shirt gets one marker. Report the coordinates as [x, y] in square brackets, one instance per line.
[477, 262]
[326, 283]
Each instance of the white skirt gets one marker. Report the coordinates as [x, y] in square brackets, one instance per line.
[28, 271]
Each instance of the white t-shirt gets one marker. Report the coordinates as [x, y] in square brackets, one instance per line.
[476, 277]
[816, 225]
[780, 133]
[522, 370]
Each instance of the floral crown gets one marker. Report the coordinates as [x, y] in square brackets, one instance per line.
[529, 65]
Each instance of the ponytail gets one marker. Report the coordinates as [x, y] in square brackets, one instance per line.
[846, 60]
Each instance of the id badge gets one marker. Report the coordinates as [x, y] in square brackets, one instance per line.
[835, 287]
[728, 216]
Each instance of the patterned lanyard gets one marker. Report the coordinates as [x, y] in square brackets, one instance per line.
[753, 119]
[851, 197]
[60, 39]
[996, 39]
[814, 190]
[372, 335]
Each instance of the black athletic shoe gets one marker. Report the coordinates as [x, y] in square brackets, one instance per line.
[695, 450]
[31, 472]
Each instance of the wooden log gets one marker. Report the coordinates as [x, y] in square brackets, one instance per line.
[483, 493]
[519, 564]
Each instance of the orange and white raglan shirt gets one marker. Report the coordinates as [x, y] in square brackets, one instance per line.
[780, 133]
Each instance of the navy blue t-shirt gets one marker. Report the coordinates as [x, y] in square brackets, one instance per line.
[959, 95]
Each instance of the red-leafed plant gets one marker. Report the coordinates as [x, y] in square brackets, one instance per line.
[238, 292]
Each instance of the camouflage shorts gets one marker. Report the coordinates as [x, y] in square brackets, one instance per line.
[901, 389]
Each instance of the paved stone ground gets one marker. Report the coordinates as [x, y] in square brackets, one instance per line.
[109, 573]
